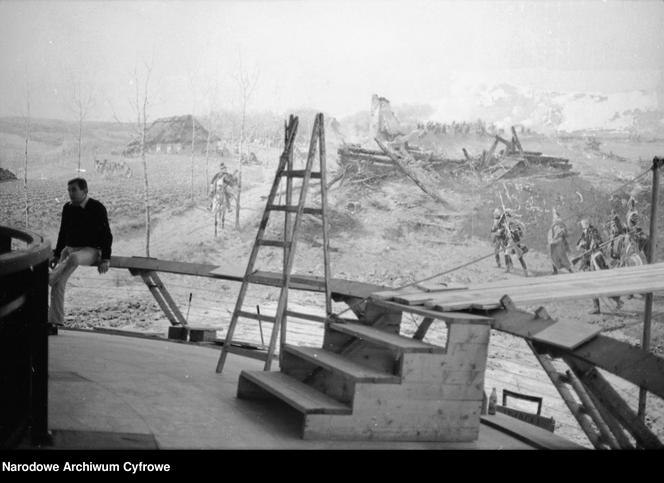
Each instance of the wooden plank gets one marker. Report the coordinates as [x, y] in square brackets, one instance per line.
[596, 279]
[456, 317]
[485, 302]
[537, 437]
[340, 364]
[631, 363]
[225, 272]
[236, 274]
[587, 287]
[619, 358]
[567, 335]
[393, 341]
[420, 290]
[297, 394]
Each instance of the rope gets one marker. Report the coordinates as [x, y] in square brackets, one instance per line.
[356, 304]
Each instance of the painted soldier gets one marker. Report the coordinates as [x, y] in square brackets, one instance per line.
[558, 244]
[637, 237]
[509, 232]
[222, 193]
[593, 257]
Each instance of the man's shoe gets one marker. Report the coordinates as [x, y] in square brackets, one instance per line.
[52, 329]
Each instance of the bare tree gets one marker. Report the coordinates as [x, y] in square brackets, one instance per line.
[27, 126]
[211, 94]
[141, 104]
[246, 82]
[82, 100]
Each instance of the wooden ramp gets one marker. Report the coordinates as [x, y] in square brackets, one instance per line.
[538, 290]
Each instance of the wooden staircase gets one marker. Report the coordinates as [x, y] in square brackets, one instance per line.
[369, 382]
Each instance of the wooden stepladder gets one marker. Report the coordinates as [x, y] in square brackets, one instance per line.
[291, 227]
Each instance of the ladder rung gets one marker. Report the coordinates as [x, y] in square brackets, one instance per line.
[259, 354]
[274, 243]
[300, 315]
[293, 209]
[299, 173]
[251, 315]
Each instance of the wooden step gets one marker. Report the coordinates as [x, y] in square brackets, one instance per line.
[294, 208]
[299, 173]
[393, 341]
[297, 394]
[340, 364]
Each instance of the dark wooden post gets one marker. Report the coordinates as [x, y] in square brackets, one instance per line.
[657, 162]
[39, 358]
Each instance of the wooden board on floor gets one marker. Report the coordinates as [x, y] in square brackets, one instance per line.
[567, 335]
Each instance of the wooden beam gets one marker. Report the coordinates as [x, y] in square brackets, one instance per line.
[617, 357]
[610, 398]
[652, 248]
[154, 290]
[457, 317]
[408, 172]
[593, 412]
[614, 425]
[423, 328]
[231, 273]
[168, 299]
[575, 408]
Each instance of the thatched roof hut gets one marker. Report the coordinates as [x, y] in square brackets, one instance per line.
[174, 135]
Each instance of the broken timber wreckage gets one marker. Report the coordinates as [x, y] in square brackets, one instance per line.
[510, 162]
[513, 160]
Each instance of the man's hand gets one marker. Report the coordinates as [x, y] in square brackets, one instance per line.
[53, 261]
[103, 266]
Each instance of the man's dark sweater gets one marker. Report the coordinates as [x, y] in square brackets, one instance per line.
[85, 227]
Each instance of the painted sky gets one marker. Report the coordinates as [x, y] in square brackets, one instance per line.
[328, 55]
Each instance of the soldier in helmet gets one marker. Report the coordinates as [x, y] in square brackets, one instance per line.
[616, 247]
[636, 235]
[508, 232]
[498, 233]
[593, 257]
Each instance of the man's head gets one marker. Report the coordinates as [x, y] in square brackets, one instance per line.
[585, 223]
[497, 213]
[77, 189]
[222, 167]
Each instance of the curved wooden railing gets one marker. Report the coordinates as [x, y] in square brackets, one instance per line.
[24, 260]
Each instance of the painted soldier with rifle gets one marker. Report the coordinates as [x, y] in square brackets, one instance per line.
[592, 257]
[637, 237]
[508, 234]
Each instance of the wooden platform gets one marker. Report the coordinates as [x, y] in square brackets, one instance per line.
[538, 290]
[109, 391]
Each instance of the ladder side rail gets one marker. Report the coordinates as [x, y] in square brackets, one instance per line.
[323, 198]
[288, 236]
[281, 307]
[254, 251]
